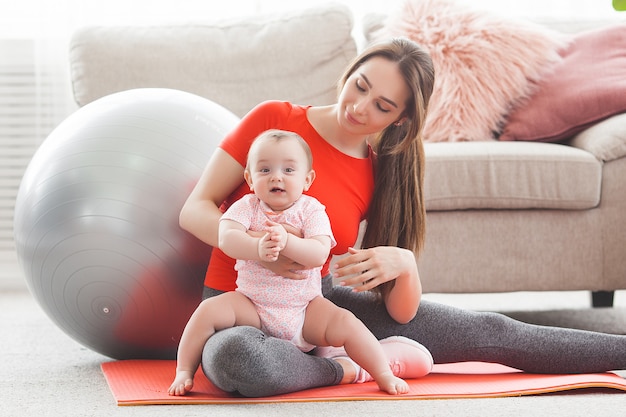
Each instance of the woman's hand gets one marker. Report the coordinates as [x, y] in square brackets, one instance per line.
[364, 269]
[285, 267]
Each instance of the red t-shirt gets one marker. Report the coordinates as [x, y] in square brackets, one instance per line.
[344, 184]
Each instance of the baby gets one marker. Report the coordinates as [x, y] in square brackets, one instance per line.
[278, 171]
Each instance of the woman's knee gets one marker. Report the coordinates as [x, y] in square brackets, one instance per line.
[243, 359]
[498, 322]
[228, 356]
[238, 342]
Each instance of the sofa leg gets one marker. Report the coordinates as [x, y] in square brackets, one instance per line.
[602, 298]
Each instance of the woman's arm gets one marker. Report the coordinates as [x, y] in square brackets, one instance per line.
[405, 296]
[365, 269]
[200, 214]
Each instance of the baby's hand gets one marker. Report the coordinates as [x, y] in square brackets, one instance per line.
[273, 242]
[277, 233]
[268, 249]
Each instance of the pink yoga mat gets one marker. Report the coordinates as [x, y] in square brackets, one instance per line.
[138, 382]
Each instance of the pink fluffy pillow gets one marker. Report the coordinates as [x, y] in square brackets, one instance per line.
[484, 64]
[588, 86]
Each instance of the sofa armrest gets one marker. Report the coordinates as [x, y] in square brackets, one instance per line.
[605, 140]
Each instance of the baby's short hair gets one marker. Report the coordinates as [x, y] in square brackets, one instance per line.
[277, 135]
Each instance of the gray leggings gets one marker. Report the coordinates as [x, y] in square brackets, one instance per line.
[245, 360]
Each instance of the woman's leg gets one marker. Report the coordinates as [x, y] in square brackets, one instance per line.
[245, 360]
[456, 335]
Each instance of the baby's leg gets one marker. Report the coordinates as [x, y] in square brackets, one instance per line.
[325, 324]
[213, 314]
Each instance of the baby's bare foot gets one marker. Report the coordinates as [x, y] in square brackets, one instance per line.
[392, 384]
[183, 383]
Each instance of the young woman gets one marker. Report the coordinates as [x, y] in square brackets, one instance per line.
[369, 163]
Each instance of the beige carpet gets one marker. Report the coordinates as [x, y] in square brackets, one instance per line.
[46, 373]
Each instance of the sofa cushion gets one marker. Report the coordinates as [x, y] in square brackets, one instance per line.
[296, 56]
[512, 175]
[606, 140]
[587, 86]
[484, 63]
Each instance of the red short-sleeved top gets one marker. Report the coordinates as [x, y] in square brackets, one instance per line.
[344, 184]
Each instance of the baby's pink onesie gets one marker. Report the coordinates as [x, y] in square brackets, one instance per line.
[280, 302]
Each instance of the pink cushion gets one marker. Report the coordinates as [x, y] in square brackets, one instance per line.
[588, 86]
[484, 64]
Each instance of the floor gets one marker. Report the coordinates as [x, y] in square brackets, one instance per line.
[46, 373]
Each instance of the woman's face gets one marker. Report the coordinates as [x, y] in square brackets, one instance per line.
[373, 97]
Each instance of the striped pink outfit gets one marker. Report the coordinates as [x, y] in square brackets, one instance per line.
[280, 302]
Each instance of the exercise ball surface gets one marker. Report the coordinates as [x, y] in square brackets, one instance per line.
[96, 219]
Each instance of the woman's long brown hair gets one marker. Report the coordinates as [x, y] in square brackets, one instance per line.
[396, 215]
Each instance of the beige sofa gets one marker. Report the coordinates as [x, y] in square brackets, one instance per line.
[502, 216]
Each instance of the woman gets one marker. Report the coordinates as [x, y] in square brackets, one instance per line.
[381, 108]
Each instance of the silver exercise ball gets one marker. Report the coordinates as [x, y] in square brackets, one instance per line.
[96, 219]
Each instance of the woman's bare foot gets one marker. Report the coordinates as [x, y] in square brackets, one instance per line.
[183, 383]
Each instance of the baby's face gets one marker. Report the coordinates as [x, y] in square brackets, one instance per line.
[279, 173]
